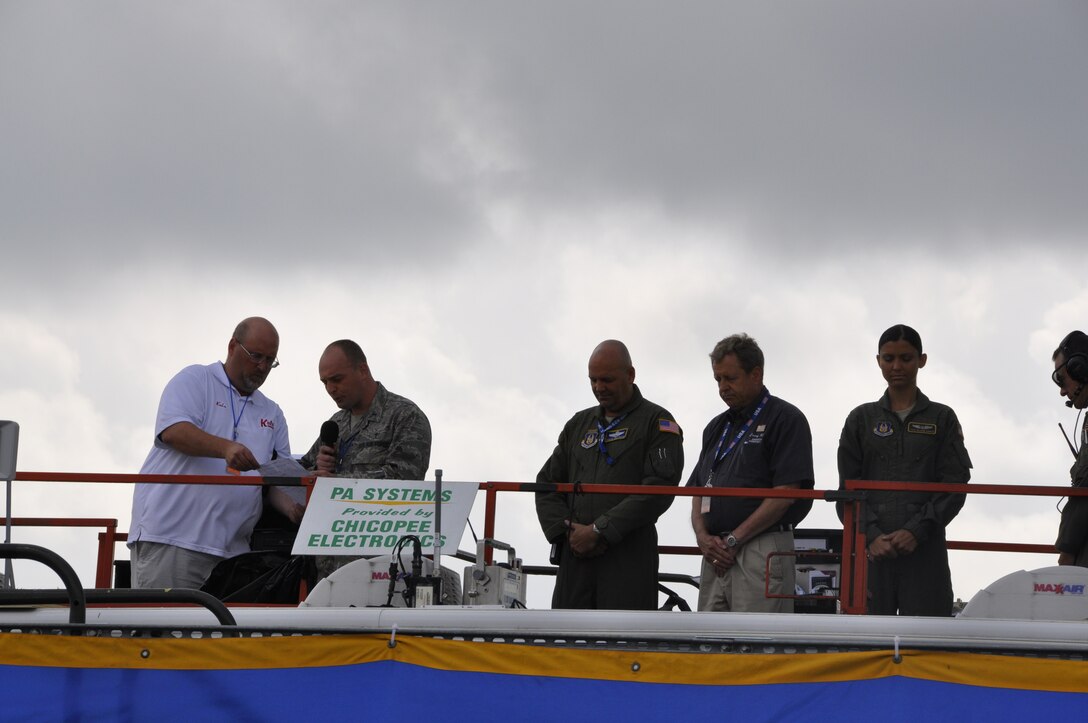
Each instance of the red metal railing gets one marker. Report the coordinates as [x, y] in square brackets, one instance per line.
[852, 574]
[107, 540]
[854, 545]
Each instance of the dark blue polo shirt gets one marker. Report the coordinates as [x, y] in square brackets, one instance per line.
[776, 450]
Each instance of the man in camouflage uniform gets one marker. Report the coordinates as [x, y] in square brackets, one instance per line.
[608, 543]
[381, 435]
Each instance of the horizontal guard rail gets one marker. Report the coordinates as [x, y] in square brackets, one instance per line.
[122, 596]
[853, 497]
[852, 486]
[225, 479]
[977, 489]
[64, 521]
[579, 488]
[73, 593]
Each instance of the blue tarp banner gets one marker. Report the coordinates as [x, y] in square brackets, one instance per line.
[359, 677]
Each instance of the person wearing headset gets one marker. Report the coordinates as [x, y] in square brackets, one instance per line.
[1071, 376]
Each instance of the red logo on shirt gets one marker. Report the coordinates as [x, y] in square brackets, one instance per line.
[267, 423]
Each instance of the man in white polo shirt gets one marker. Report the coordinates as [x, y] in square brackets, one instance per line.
[211, 421]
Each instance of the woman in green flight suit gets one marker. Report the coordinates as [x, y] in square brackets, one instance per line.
[904, 437]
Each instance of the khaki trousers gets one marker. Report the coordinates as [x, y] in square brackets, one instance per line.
[742, 588]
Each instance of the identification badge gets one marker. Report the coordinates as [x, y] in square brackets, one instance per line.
[704, 504]
[922, 428]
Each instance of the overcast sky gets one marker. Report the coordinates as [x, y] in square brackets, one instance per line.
[480, 192]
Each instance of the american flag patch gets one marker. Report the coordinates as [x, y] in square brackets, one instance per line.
[667, 425]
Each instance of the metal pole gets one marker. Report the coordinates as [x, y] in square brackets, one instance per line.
[437, 572]
[9, 453]
[490, 504]
[9, 575]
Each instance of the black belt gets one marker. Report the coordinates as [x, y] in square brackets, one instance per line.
[784, 527]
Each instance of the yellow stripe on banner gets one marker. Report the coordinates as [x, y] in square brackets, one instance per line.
[993, 671]
[192, 654]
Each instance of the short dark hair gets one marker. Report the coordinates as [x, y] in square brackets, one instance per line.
[743, 347]
[351, 350]
[900, 332]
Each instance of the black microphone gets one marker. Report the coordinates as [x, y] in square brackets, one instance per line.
[330, 432]
[1076, 393]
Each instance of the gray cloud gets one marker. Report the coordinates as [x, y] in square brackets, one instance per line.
[257, 130]
[162, 130]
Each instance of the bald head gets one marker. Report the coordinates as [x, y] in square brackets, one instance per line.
[253, 337]
[252, 325]
[612, 349]
[611, 375]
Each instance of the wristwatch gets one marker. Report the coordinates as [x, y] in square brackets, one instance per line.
[731, 542]
[596, 529]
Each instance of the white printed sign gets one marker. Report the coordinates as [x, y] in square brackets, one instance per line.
[368, 516]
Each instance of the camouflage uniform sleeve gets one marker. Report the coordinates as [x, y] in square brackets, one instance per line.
[409, 452]
[309, 460]
[663, 465]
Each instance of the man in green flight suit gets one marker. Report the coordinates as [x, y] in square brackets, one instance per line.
[607, 544]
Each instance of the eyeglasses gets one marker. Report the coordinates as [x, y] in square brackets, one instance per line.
[1057, 376]
[259, 359]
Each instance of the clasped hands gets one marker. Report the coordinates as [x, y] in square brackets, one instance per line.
[892, 545]
[715, 552]
[584, 542]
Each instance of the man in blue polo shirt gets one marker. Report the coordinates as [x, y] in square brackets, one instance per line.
[761, 441]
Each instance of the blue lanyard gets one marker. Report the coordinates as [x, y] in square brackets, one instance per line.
[601, 432]
[240, 412]
[719, 453]
[343, 447]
